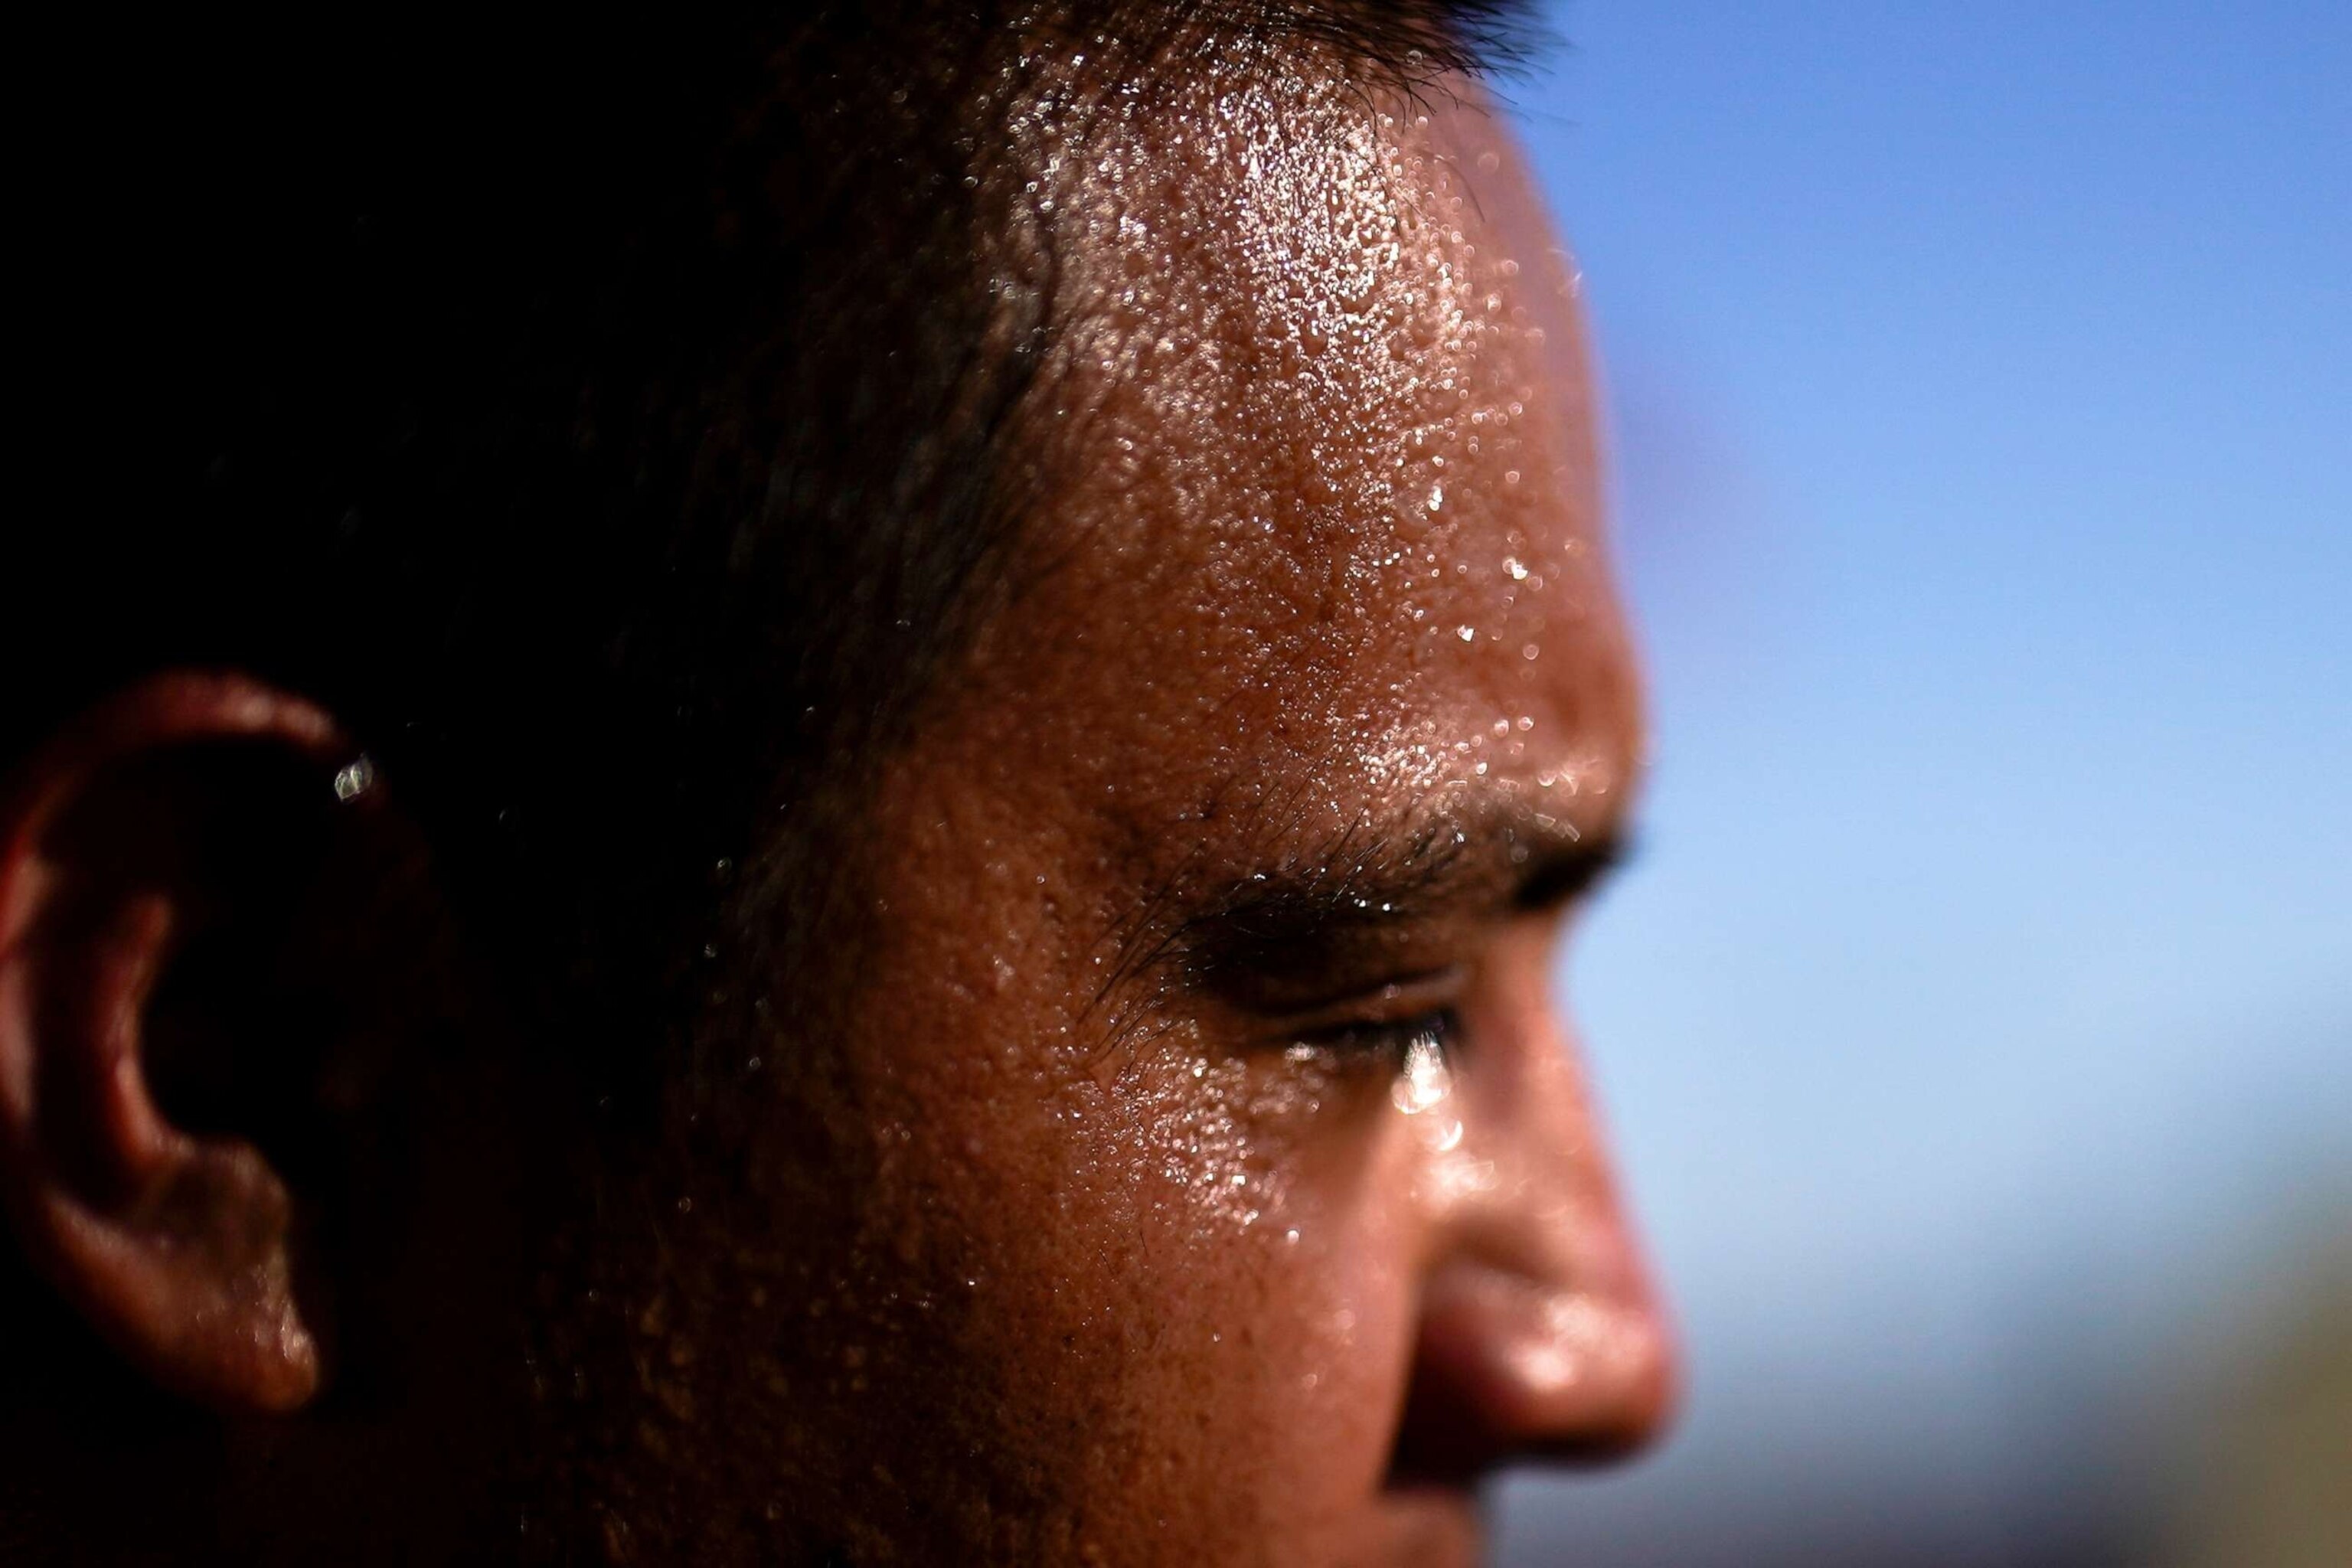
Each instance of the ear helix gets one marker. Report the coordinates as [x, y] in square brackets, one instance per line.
[174, 1246]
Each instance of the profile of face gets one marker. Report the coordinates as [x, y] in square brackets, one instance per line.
[1183, 1157]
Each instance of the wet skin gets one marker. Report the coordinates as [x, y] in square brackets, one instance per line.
[1206, 1175]
[1132, 1123]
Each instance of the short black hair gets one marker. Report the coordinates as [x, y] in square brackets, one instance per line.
[606, 414]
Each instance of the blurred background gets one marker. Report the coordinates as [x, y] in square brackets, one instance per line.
[1977, 1024]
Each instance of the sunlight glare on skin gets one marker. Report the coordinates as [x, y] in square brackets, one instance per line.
[1297, 315]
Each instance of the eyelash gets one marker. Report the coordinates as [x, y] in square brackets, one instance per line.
[1390, 1039]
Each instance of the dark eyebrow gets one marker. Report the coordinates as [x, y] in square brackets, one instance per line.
[1372, 886]
[1413, 37]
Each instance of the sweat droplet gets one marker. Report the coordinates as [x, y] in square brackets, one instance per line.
[1426, 1080]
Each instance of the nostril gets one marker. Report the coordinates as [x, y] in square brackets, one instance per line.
[1504, 1369]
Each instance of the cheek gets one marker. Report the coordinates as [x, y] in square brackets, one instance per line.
[1278, 1204]
[1209, 1258]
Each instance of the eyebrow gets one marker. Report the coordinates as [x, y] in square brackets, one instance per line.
[1347, 904]
[1411, 37]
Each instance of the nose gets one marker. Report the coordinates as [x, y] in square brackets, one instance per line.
[1540, 1335]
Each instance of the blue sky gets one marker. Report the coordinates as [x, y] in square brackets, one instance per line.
[1980, 1010]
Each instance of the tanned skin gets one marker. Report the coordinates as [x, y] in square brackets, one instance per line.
[1184, 1157]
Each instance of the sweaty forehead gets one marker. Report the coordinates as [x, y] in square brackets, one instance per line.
[1317, 502]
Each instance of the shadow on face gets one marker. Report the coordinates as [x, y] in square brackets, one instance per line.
[1230, 1193]
[1162, 1144]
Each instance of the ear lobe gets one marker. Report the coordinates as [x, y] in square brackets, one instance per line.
[175, 1245]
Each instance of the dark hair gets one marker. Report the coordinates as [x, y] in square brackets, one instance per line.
[607, 416]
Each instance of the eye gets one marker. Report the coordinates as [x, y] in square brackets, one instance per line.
[1416, 1046]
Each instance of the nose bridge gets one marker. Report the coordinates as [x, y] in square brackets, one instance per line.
[1540, 1335]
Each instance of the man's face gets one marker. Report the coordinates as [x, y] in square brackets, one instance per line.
[1223, 1187]
[1122, 1118]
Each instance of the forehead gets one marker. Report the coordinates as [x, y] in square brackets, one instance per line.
[1316, 509]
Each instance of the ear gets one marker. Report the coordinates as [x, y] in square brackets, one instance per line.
[141, 856]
